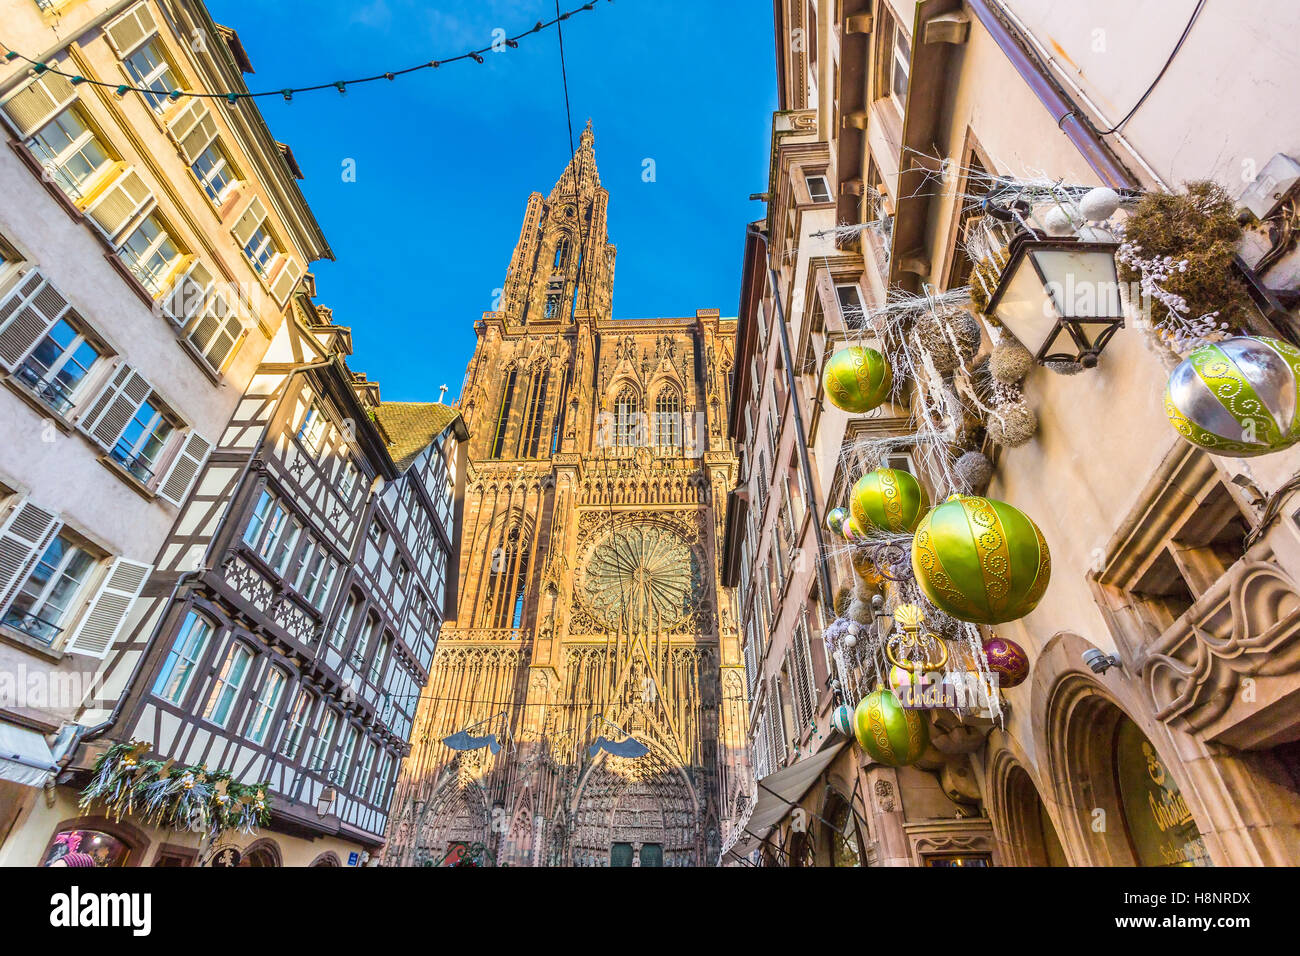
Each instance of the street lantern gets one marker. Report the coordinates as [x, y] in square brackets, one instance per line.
[1060, 296]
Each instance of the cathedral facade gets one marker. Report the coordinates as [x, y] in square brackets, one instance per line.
[587, 705]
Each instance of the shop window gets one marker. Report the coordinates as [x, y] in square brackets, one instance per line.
[1160, 827]
[86, 848]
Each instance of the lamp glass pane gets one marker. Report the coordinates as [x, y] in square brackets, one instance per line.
[1083, 283]
[1024, 306]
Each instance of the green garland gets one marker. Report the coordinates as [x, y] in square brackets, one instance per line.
[171, 795]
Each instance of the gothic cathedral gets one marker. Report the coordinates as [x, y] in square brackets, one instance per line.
[586, 706]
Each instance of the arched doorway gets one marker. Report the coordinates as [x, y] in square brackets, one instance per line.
[1029, 832]
[636, 812]
[261, 853]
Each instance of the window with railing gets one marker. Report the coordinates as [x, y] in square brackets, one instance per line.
[47, 599]
[140, 445]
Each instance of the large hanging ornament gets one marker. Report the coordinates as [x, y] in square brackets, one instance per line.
[842, 719]
[980, 560]
[857, 379]
[1238, 397]
[888, 500]
[1008, 660]
[888, 732]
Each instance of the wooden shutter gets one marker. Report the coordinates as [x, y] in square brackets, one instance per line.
[23, 539]
[26, 315]
[131, 29]
[109, 608]
[285, 280]
[111, 411]
[39, 102]
[194, 129]
[189, 294]
[247, 224]
[216, 337]
[114, 208]
[183, 471]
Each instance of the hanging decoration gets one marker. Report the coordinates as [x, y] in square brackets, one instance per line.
[888, 732]
[857, 378]
[842, 719]
[1239, 397]
[980, 560]
[169, 795]
[835, 519]
[1179, 248]
[889, 500]
[288, 93]
[1008, 660]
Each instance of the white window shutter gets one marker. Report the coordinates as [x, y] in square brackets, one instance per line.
[26, 315]
[131, 29]
[109, 608]
[247, 223]
[189, 294]
[111, 411]
[23, 538]
[118, 205]
[285, 280]
[184, 469]
[194, 129]
[39, 102]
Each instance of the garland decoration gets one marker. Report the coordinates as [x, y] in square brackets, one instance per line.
[175, 796]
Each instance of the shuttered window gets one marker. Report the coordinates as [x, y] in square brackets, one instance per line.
[253, 234]
[45, 602]
[131, 29]
[151, 253]
[219, 329]
[109, 609]
[113, 210]
[148, 67]
[184, 469]
[37, 103]
[71, 153]
[129, 421]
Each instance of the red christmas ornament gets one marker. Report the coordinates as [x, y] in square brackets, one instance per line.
[1008, 660]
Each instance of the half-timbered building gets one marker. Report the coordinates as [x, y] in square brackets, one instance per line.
[295, 606]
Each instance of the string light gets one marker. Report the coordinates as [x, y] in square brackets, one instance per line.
[40, 67]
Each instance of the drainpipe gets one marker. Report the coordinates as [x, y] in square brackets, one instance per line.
[1068, 118]
[805, 463]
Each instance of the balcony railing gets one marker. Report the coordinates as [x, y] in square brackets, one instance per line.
[135, 464]
[49, 390]
[32, 625]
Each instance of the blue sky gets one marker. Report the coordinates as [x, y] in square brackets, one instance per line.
[445, 159]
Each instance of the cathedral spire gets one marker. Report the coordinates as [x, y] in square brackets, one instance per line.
[580, 176]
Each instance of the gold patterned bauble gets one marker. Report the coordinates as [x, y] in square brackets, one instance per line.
[857, 378]
[888, 732]
[888, 500]
[1240, 397]
[980, 560]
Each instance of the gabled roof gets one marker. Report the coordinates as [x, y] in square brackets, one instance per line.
[413, 426]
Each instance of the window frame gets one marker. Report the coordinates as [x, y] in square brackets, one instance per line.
[222, 684]
[177, 655]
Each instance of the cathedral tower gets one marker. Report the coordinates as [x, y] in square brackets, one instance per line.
[593, 644]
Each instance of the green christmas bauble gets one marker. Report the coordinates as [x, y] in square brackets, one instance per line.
[888, 500]
[980, 560]
[857, 379]
[1239, 397]
[835, 519]
[888, 732]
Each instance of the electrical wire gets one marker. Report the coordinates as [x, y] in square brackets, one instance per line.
[1164, 69]
[122, 89]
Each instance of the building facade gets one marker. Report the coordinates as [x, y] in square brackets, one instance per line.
[590, 610]
[896, 117]
[149, 247]
[291, 618]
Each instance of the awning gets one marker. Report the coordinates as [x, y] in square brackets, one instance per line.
[776, 793]
[24, 756]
